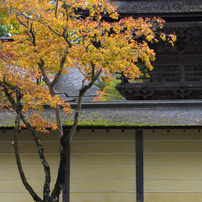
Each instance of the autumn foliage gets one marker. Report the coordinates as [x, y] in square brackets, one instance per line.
[61, 34]
[57, 34]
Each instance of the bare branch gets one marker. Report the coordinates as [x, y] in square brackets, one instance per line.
[32, 35]
[78, 108]
[21, 22]
[18, 107]
[51, 29]
[45, 77]
[20, 169]
[62, 62]
[65, 36]
[56, 9]
[46, 190]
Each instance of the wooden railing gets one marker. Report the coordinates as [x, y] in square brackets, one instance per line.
[165, 76]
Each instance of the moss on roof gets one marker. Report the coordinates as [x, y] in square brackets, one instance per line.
[126, 114]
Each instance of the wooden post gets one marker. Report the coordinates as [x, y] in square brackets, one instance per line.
[65, 193]
[139, 165]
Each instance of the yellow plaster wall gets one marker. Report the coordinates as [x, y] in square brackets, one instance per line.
[103, 166]
[173, 165]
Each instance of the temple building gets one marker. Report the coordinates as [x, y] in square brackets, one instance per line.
[177, 72]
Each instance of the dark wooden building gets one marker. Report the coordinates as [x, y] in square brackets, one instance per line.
[177, 72]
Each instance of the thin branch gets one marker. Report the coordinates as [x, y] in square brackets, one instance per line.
[46, 188]
[62, 62]
[65, 36]
[93, 71]
[78, 108]
[56, 9]
[51, 28]
[33, 35]
[45, 77]
[21, 22]
[18, 107]
[81, 71]
[20, 169]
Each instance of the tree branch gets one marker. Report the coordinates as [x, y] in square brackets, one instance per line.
[60, 182]
[18, 109]
[65, 36]
[19, 165]
[56, 9]
[45, 77]
[46, 189]
[62, 62]
[52, 29]
[33, 39]
[31, 36]
[21, 22]
[81, 94]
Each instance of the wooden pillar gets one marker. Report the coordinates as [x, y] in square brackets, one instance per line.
[139, 165]
[66, 188]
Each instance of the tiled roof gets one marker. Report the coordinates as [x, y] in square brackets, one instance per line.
[127, 114]
[159, 6]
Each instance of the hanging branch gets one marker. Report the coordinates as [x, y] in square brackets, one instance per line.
[46, 189]
[18, 109]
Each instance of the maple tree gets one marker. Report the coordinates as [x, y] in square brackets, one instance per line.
[57, 34]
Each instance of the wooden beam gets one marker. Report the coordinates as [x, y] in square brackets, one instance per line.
[65, 194]
[139, 165]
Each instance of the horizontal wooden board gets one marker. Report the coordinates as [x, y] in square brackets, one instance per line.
[75, 185]
[173, 146]
[29, 147]
[102, 172]
[30, 172]
[102, 185]
[102, 159]
[76, 159]
[177, 134]
[28, 159]
[17, 186]
[103, 197]
[84, 134]
[7, 135]
[172, 172]
[103, 146]
[173, 185]
[172, 159]
[115, 172]
[18, 197]
[101, 134]
[172, 197]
